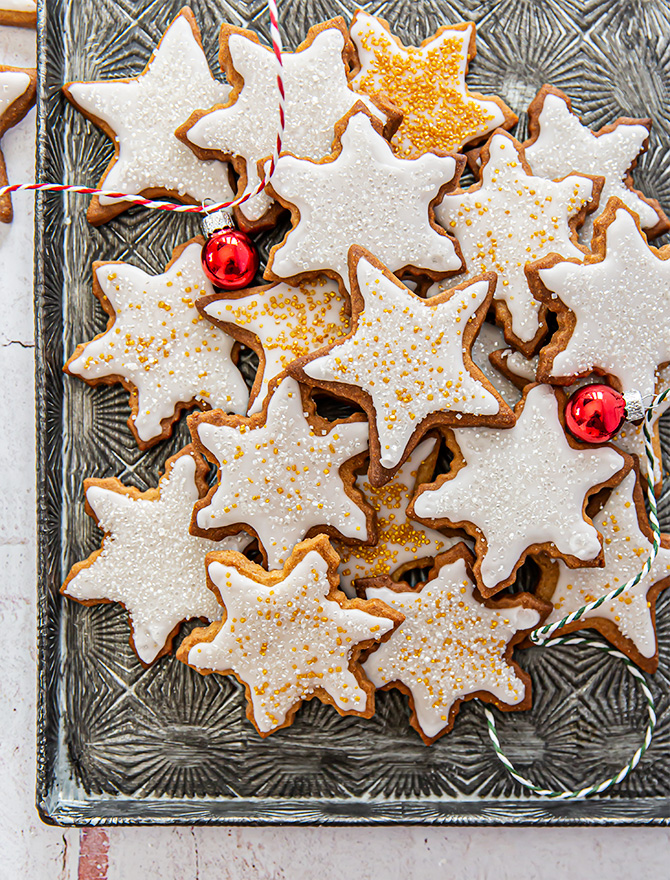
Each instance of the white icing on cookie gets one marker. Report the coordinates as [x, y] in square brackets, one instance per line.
[626, 549]
[281, 477]
[13, 84]
[365, 196]
[489, 339]
[622, 308]
[144, 113]
[149, 561]
[288, 641]
[407, 354]
[18, 6]
[513, 219]
[161, 344]
[522, 486]
[449, 646]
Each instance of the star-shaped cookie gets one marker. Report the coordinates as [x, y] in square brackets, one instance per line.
[510, 219]
[141, 114]
[148, 560]
[560, 143]
[280, 323]
[17, 96]
[317, 95]
[406, 361]
[159, 346]
[282, 474]
[290, 635]
[427, 84]
[613, 309]
[451, 646]
[522, 490]
[362, 194]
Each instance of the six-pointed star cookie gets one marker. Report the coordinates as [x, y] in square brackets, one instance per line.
[289, 635]
[141, 114]
[406, 361]
[159, 346]
[522, 490]
[282, 473]
[318, 94]
[427, 84]
[451, 646]
[148, 560]
[362, 194]
[17, 96]
[560, 143]
[280, 323]
[512, 218]
[613, 309]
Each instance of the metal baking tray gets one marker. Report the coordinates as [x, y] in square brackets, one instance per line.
[124, 745]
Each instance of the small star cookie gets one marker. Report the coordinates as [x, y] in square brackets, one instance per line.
[159, 346]
[17, 96]
[451, 646]
[148, 560]
[282, 475]
[140, 116]
[522, 490]
[290, 635]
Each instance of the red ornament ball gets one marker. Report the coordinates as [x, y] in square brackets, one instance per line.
[230, 259]
[594, 413]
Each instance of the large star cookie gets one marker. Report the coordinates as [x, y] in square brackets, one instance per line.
[159, 346]
[613, 309]
[406, 361]
[17, 96]
[280, 323]
[451, 646]
[148, 560]
[522, 490]
[629, 620]
[362, 194]
[290, 635]
[559, 143]
[141, 114]
[510, 219]
[282, 474]
[317, 95]
[427, 84]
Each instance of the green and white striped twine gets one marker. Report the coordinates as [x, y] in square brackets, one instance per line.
[543, 636]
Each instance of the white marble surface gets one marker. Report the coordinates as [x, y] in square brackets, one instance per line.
[33, 851]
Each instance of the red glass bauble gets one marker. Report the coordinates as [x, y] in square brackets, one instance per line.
[594, 413]
[230, 259]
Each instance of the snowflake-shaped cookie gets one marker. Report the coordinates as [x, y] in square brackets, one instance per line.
[282, 474]
[280, 323]
[522, 490]
[17, 96]
[451, 646]
[510, 219]
[427, 84]
[289, 635]
[148, 560]
[159, 346]
[141, 115]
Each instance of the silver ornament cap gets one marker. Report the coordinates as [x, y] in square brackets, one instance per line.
[635, 408]
[215, 221]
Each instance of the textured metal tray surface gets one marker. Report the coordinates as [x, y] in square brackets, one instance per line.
[121, 744]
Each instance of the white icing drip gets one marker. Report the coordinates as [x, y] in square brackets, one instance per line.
[13, 84]
[490, 338]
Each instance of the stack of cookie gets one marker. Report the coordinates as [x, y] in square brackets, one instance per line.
[450, 320]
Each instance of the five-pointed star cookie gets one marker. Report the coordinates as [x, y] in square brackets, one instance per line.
[363, 194]
[280, 323]
[522, 490]
[17, 96]
[427, 84]
[289, 635]
[159, 346]
[406, 361]
[451, 646]
[141, 115]
[283, 474]
[510, 219]
[629, 620]
[148, 560]
[613, 309]
[316, 85]
[560, 143]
